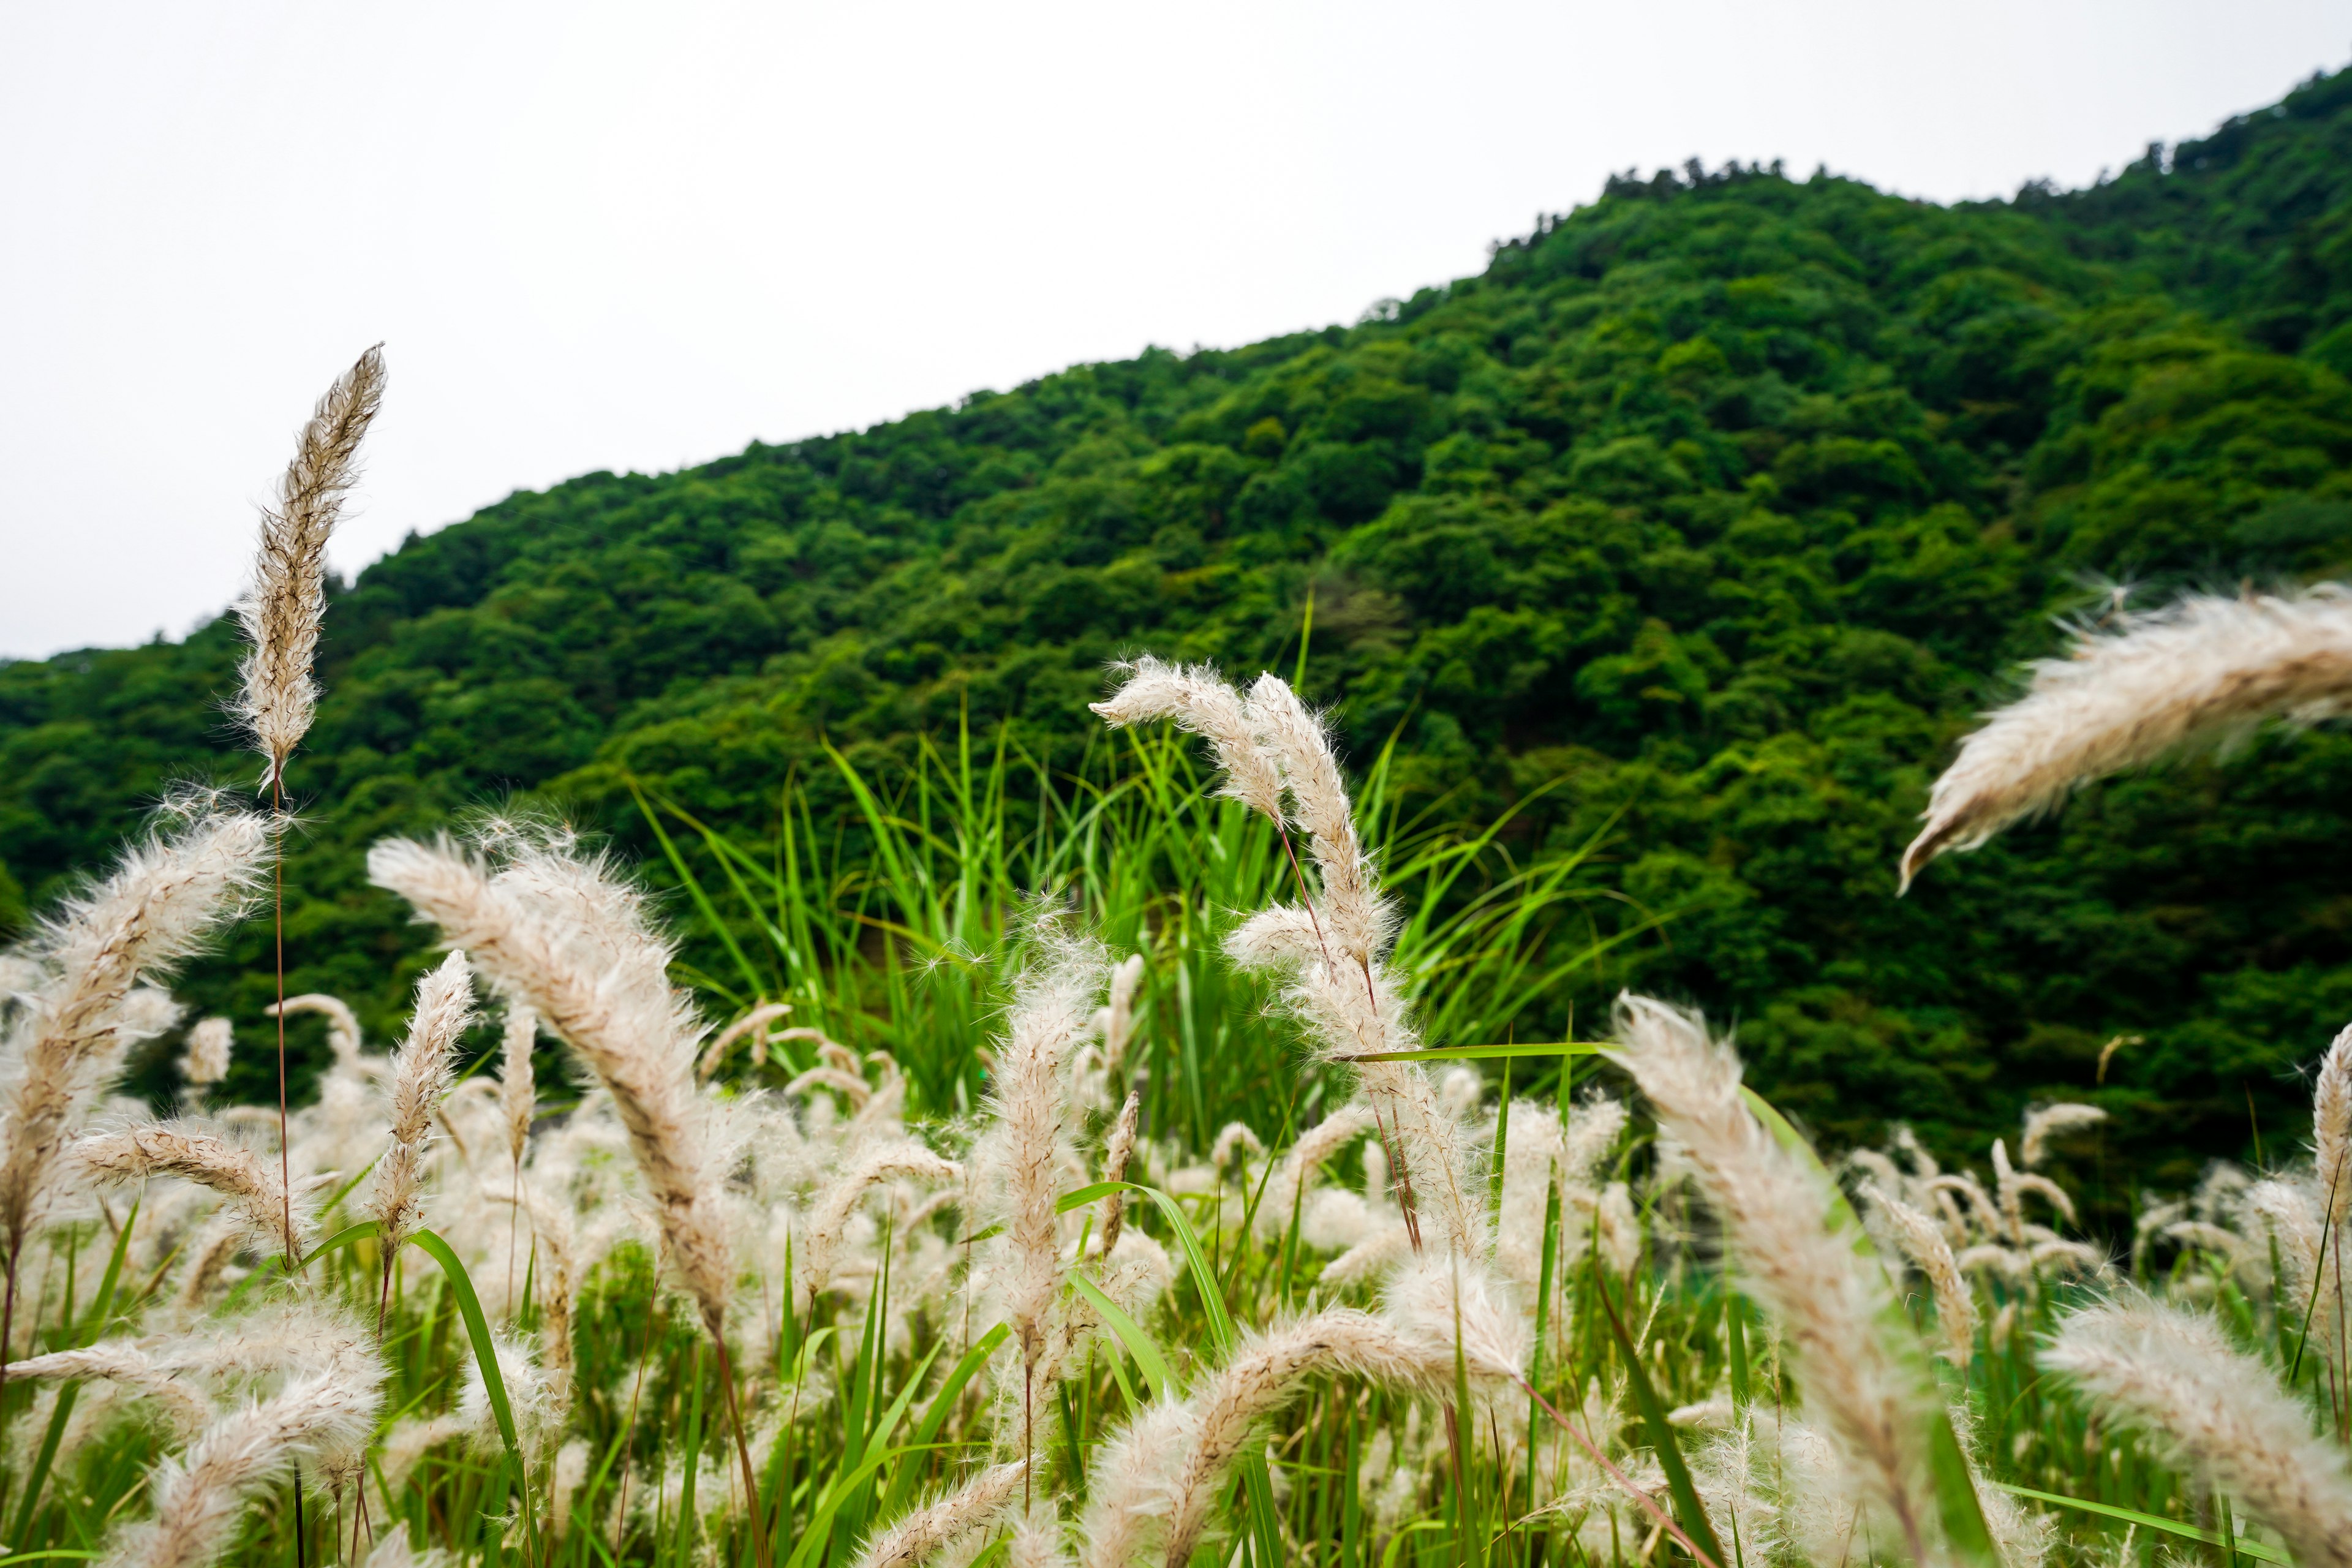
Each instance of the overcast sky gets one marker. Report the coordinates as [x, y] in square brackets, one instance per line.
[639, 235]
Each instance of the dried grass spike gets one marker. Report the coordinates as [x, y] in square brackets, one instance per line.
[282, 608]
[2206, 670]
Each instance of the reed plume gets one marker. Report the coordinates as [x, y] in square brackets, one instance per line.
[565, 934]
[82, 1010]
[1165, 1473]
[1923, 1242]
[754, 1024]
[2204, 670]
[422, 1069]
[205, 1061]
[1362, 922]
[1118, 1148]
[2331, 1126]
[1830, 1301]
[939, 1525]
[829, 1216]
[1198, 699]
[344, 1037]
[2052, 1122]
[1052, 1012]
[200, 1496]
[2219, 1410]
[282, 608]
[254, 1192]
[518, 1093]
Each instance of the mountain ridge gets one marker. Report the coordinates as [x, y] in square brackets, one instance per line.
[1718, 505]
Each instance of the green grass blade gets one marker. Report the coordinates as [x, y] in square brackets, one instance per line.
[485, 1356]
[2243, 1547]
[1147, 1360]
[1688, 1507]
[1478, 1053]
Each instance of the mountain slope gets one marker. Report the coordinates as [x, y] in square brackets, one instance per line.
[1720, 504]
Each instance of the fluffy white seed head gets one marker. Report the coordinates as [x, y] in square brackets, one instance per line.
[1200, 700]
[420, 1073]
[939, 1524]
[2331, 1126]
[283, 606]
[518, 1092]
[2053, 1122]
[185, 1149]
[93, 958]
[1830, 1303]
[2207, 669]
[1923, 1242]
[205, 1061]
[565, 934]
[2176, 1376]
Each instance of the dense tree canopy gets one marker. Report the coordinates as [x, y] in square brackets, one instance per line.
[1719, 506]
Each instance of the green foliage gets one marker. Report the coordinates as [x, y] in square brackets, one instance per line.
[1719, 506]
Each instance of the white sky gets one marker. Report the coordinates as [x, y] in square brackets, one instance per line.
[598, 236]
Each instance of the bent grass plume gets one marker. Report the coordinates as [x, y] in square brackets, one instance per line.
[2206, 670]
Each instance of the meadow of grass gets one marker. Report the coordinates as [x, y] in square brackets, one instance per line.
[1153, 1166]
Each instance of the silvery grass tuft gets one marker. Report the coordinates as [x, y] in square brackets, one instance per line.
[422, 1071]
[2206, 670]
[2174, 1375]
[1830, 1302]
[282, 607]
[87, 999]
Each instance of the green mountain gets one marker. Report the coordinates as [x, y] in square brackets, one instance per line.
[1719, 506]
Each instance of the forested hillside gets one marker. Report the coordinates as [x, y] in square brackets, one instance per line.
[1713, 511]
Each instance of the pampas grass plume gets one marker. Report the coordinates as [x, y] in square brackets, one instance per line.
[420, 1073]
[254, 1191]
[2174, 1375]
[1199, 700]
[282, 608]
[205, 1061]
[1830, 1301]
[939, 1525]
[2203, 670]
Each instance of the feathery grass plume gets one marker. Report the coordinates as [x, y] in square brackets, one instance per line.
[1200, 700]
[2331, 1126]
[754, 1022]
[1346, 1021]
[1116, 1019]
[2290, 1211]
[420, 1073]
[2204, 670]
[820, 1239]
[562, 932]
[186, 1151]
[205, 1061]
[2174, 1375]
[565, 934]
[1118, 1148]
[1170, 1467]
[282, 608]
[1286, 1192]
[1051, 1014]
[70, 1034]
[2052, 1122]
[1830, 1301]
[518, 1101]
[1923, 1242]
[518, 1093]
[200, 1496]
[344, 1037]
[184, 1410]
[1362, 924]
[936, 1526]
